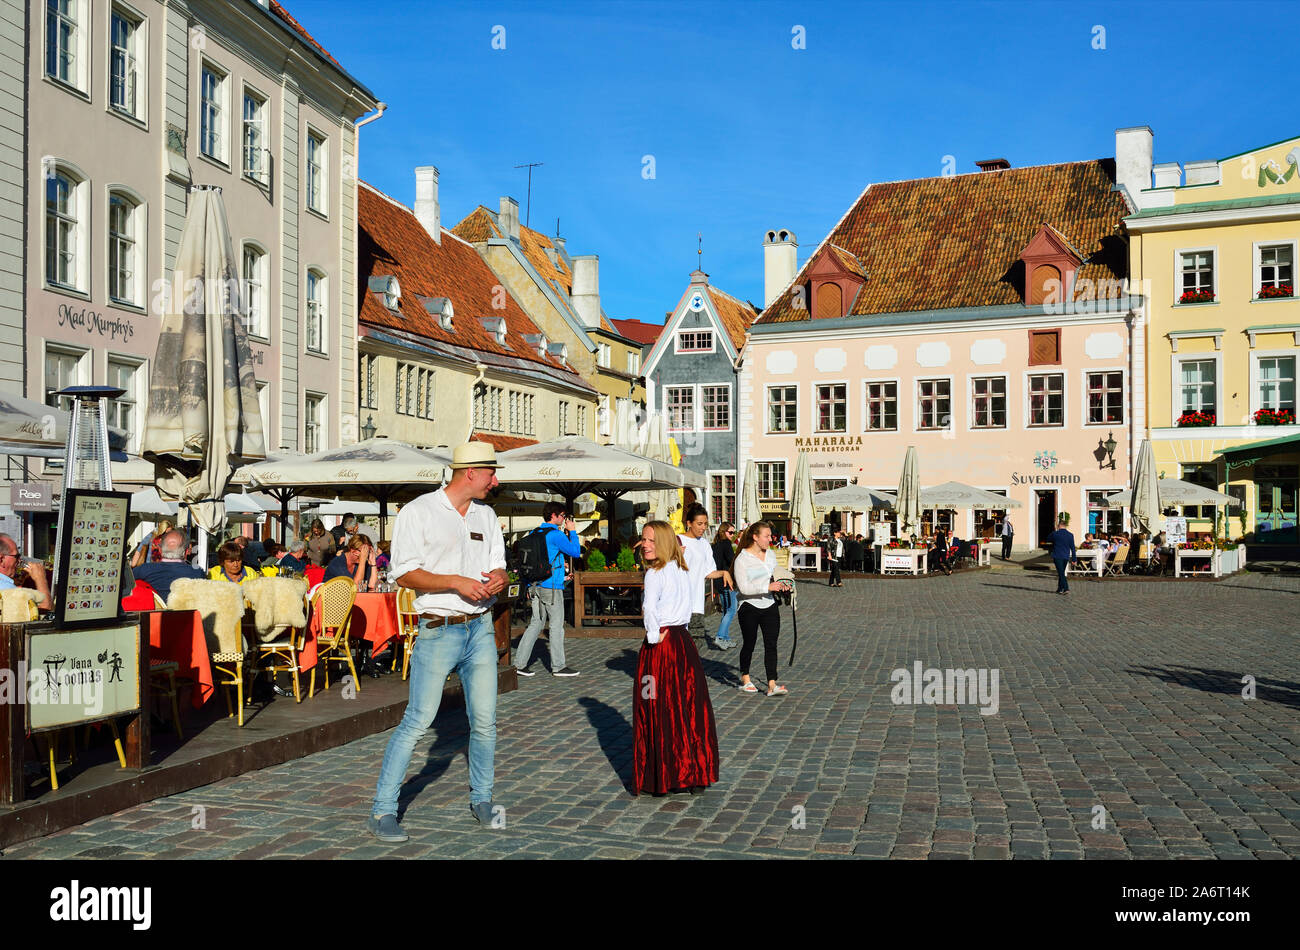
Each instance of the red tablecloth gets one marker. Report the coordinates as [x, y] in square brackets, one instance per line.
[178, 635]
[374, 618]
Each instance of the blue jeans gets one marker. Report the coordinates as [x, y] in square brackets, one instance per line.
[469, 649]
[548, 608]
[729, 603]
[1061, 582]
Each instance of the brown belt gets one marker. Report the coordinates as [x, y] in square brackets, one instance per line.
[437, 620]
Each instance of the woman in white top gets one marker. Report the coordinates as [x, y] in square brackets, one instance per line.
[676, 740]
[753, 570]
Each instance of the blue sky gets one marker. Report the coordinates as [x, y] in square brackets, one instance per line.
[748, 133]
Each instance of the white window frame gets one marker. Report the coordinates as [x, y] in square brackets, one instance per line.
[1046, 370]
[322, 433]
[260, 173]
[79, 16]
[81, 370]
[604, 354]
[709, 475]
[604, 416]
[713, 340]
[699, 408]
[260, 283]
[1257, 254]
[1176, 390]
[1213, 251]
[79, 201]
[1083, 503]
[693, 415]
[1256, 355]
[137, 61]
[138, 225]
[219, 127]
[321, 280]
[562, 418]
[848, 404]
[264, 406]
[758, 464]
[526, 408]
[866, 403]
[916, 403]
[767, 408]
[316, 174]
[138, 394]
[633, 363]
[367, 381]
[1083, 399]
[970, 402]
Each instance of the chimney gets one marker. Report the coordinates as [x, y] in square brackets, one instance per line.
[508, 218]
[426, 201]
[1134, 148]
[1202, 173]
[780, 249]
[586, 288]
[993, 165]
[560, 243]
[1168, 175]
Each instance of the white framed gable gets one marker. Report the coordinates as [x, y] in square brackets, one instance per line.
[667, 342]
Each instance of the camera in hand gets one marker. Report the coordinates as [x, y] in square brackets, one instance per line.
[784, 595]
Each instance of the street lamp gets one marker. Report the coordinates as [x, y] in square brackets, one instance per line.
[368, 430]
[1106, 450]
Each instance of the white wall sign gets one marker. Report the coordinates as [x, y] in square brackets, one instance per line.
[781, 362]
[933, 354]
[81, 675]
[1175, 530]
[897, 562]
[830, 360]
[880, 356]
[988, 352]
[1103, 346]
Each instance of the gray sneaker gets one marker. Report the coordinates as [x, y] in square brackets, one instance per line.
[724, 644]
[482, 812]
[386, 828]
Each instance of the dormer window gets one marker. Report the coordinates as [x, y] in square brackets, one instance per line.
[389, 290]
[834, 280]
[495, 326]
[539, 341]
[440, 309]
[559, 351]
[1050, 265]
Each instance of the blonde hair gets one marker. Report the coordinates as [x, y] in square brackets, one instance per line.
[667, 547]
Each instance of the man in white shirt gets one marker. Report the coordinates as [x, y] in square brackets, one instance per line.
[835, 554]
[1008, 533]
[700, 565]
[448, 548]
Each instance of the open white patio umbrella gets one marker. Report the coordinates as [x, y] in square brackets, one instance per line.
[803, 520]
[1173, 493]
[203, 417]
[908, 504]
[750, 509]
[147, 504]
[336, 507]
[33, 429]
[854, 498]
[958, 495]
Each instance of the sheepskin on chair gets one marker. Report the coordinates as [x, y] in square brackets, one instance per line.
[18, 604]
[219, 603]
[277, 604]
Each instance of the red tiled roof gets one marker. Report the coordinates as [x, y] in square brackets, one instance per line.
[736, 315]
[642, 333]
[939, 243]
[502, 443]
[393, 243]
[298, 28]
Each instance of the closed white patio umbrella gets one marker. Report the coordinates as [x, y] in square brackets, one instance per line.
[908, 504]
[750, 509]
[803, 520]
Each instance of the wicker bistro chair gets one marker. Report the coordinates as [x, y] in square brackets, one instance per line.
[221, 604]
[1116, 562]
[408, 626]
[333, 602]
[280, 623]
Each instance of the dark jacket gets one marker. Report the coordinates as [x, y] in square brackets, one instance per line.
[724, 555]
[339, 568]
[292, 563]
[160, 574]
[1062, 542]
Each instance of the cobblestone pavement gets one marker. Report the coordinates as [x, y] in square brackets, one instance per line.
[1126, 696]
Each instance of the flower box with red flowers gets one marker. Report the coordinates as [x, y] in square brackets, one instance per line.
[1194, 420]
[1276, 292]
[1275, 417]
[1197, 296]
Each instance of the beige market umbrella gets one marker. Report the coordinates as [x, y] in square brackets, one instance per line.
[1173, 493]
[958, 495]
[203, 418]
[803, 520]
[1144, 504]
[908, 505]
[35, 430]
[750, 509]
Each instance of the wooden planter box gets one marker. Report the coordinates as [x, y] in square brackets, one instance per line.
[585, 580]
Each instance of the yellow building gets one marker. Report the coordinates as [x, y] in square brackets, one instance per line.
[1214, 252]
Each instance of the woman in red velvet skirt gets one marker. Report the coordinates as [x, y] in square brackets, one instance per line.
[676, 740]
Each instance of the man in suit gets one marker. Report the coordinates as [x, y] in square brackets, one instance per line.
[853, 552]
[1008, 533]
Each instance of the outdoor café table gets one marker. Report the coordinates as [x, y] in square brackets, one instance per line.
[1097, 555]
[904, 561]
[177, 635]
[1181, 554]
[799, 558]
[374, 619]
[984, 547]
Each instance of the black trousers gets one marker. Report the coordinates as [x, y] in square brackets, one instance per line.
[835, 572]
[1006, 546]
[1061, 582]
[751, 618]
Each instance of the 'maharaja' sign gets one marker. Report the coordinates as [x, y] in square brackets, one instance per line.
[82, 676]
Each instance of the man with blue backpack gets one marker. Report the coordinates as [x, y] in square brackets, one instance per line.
[541, 565]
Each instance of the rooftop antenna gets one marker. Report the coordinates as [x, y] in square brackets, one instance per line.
[528, 210]
[699, 251]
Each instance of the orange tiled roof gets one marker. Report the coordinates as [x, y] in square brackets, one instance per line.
[393, 243]
[637, 331]
[502, 443]
[736, 315]
[298, 28]
[938, 243]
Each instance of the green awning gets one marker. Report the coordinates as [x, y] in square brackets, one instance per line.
[1287, 443]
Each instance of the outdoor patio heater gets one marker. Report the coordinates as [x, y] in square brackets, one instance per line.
[86, 462]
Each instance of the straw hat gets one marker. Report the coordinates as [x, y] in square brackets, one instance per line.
[474, 455]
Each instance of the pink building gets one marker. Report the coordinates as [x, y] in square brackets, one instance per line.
[982, 318]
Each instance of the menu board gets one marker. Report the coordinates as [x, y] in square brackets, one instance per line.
[1175, 531]
[91, 551]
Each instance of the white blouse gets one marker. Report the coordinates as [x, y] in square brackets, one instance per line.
[667, 601]
[752, 578]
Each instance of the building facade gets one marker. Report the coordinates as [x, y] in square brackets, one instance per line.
[1216, 243]
[691, 373]
[983, 319]
[127, 106]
